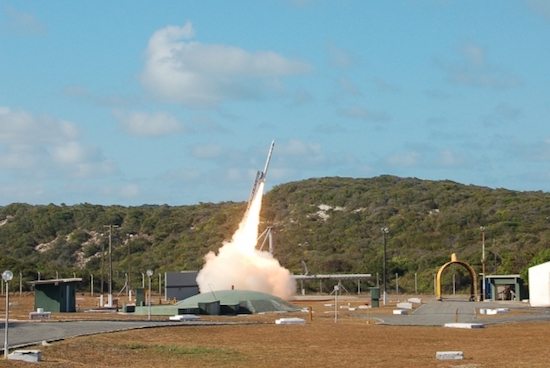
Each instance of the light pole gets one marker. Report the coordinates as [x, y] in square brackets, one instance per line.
[130, 236]
[385, 230]
[336, 289]
[149, 274]
[482, 228]
[110, 296]
[7, 276]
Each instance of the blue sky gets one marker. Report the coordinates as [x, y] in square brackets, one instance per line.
[177, 102]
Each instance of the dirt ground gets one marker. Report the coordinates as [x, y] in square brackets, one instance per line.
[351, 342]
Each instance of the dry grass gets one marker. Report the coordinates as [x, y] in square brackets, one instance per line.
[320, 343]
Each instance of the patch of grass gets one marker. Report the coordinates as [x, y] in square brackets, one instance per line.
[198, 351]
[136, 346]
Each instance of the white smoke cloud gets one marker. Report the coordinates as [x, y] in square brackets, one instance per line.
[239, 264]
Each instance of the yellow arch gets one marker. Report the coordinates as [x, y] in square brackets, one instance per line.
[454, 260]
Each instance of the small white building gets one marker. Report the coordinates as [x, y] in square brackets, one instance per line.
[539, 285]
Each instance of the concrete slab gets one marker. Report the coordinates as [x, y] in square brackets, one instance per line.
[449, 355]
[185, 317]
[404, 305]
[464, 325]
[290, 321]
[30, 356]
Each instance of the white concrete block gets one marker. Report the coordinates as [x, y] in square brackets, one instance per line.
[290, 321]
[329, 305]
[415, 300]
[400, 311]
[482, 310]
[404, 305]
[503, 310]
[185, 317]
[464, 325]
[40, 315]
[364, 307]
[351, 309]
[491, 312]
[26, 355]
[449, 355]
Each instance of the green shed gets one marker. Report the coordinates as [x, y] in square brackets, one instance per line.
[506, 287]
[56, 295]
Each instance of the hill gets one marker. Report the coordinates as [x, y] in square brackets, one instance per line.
[332, 224]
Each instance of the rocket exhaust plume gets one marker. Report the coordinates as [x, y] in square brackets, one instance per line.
[240, 265]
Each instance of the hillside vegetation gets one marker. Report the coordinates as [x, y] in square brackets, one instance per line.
[332, 224]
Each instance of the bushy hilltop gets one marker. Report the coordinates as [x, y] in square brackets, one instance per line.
[332, 225]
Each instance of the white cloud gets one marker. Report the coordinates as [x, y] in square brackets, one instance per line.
[20, 127]
[426, 157]
[348, 86]
[475, 70]
[298, 148]
[141, 123]
[28, 192]
[384, 86]
[340, 58]
[126, 191]
[539, 151]
[447, 158]
[19, 156]
[208, 151]
[361, 113]
[181, 175]
[502, 114]
[203, 75]
[301, 97]
[42, 146]
[302, 155]
[23, 24]
[404, 159]
[541, 7]
[70, 153]
[115, 101]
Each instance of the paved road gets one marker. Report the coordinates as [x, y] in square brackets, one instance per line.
[437, 313]
[21, 334]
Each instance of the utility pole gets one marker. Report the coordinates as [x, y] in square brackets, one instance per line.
[385, 230]
[482, 228]
[110, 296]
[129, 240]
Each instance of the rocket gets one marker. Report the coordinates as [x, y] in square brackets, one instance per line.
[264, 173]
[260, 175]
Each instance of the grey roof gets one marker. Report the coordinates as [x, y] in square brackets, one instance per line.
[253, 301]
[54, 281]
